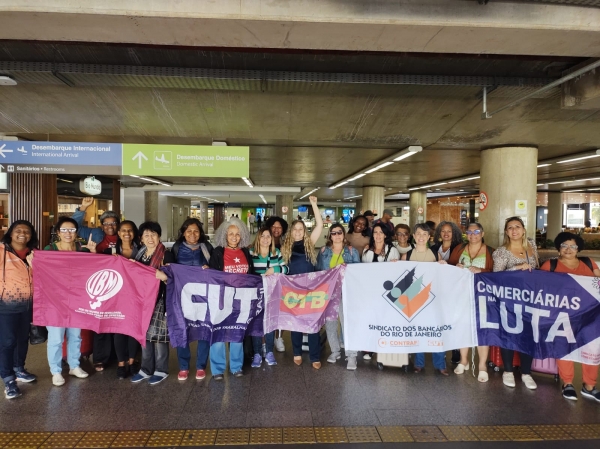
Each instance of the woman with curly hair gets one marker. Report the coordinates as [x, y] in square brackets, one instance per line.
[446, 237]
[299, 253]
[231, 256]
[278, 227]
[358, 233]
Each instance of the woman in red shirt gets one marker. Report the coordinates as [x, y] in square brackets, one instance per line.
[568, 245]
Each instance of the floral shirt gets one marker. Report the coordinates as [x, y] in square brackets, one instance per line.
[504, 260]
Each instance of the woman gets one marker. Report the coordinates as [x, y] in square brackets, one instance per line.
[402, 234]
[232, 256]
[358, 233]
[379, 249]
[421, 253]
[337, 252]
[476, 257]
[192, 248]
[568, 245]
[516, 253]
[16, 305]
[447, 237]
[67, 241]
[155, 356]
[267, 260]
[126, 347]
[300, 255]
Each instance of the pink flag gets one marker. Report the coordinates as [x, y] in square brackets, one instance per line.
[106, 294]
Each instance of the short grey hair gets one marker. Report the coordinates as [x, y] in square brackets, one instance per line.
[110, 214]
[221, 234]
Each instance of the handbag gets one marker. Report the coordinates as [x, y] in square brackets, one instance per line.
[37, 335]
[157, 331]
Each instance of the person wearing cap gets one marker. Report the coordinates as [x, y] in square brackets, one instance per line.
[386, 221]
[370, 216]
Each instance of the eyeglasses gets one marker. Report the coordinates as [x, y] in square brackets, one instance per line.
[475, 232]
[112, 223]
[403, 234]
[68, 230]
[566, 246]
[336, 233]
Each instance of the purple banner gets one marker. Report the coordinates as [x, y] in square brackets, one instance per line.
[212, 305]
[303, 302]
[545, 315]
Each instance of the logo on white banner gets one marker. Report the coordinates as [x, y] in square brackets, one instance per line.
[103, 285]
[408, 294]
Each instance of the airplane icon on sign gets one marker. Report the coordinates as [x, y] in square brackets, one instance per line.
[162, 159]
[22, 150]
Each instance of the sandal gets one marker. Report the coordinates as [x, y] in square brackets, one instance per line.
[483, 376]
[98, 367]
[298, 360]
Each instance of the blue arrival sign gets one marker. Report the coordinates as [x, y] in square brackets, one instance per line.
[60, 157]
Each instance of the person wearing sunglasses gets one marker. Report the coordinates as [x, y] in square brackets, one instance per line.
[66, 229]
[568, 245]
[518, 252]
[476, 257]
[337, 252]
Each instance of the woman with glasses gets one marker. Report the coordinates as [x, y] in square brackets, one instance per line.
[518, 252]
[358, 233]
[106, 236]
[67, 241]
[568, 245]
[446, 238]
[337, 252]
[267, 261]
[402, 235]
[476, 257]
[299, 253]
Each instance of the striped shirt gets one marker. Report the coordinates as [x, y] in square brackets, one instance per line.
[262, 264]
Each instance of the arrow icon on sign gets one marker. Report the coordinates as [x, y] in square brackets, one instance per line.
[2, 151]
[139, 156]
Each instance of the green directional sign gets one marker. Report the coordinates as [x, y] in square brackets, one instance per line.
[186, 160]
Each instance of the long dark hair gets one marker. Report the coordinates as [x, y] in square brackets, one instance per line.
[365, 232]
[386, 240]
[33, 241]
[186, 224]
[136, 235]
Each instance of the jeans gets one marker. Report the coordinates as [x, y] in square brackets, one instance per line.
[314, 345]
[56, 336]
[102, 348]
[507, 361]
[14, 342]
[155, 358]
[269, 343]
[439, 360]
[218, 360]
[126, 347]
[184, 355]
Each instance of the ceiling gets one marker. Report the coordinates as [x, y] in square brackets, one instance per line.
[310, 118]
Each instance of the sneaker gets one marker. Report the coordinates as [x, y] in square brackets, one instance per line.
[591, 394]
[156, 379]
[528, 381]
[200, 374]
[139, 377]
[367, 356]
[78, 372]
[256, 361]
[183, 374]
[218, 376]
[569, 392]
[24, 376]
[122, 372]
[58, 380]
[279, 346]
[239, 373]
[270, 358]
[508, 379]
[333, 357]
[351, 363]
[11, 390]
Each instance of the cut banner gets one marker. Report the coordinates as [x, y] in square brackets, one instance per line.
[546, 315]
[212, 305]
[303, 302]
[105, 294]
[408, 307]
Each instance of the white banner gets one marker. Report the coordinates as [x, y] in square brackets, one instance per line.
[408, 307]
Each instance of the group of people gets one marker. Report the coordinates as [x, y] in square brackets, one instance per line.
[275, 249]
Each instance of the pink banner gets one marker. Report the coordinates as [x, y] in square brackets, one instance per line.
[105, 294]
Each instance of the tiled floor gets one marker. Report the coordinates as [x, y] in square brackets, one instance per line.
[285, 396]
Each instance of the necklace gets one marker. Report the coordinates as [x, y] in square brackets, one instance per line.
[232, 247]
[476, 252]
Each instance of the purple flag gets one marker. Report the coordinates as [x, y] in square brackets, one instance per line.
[212, 305]
[303, 302]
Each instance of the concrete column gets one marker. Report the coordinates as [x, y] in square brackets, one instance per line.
[286, 202]
[555, 212]
[151, 206]
[358, 206]
[372, 199]
[204, 215]
[417, 202]
[508, 176]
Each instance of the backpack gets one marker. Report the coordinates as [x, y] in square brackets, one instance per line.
[585, 260]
